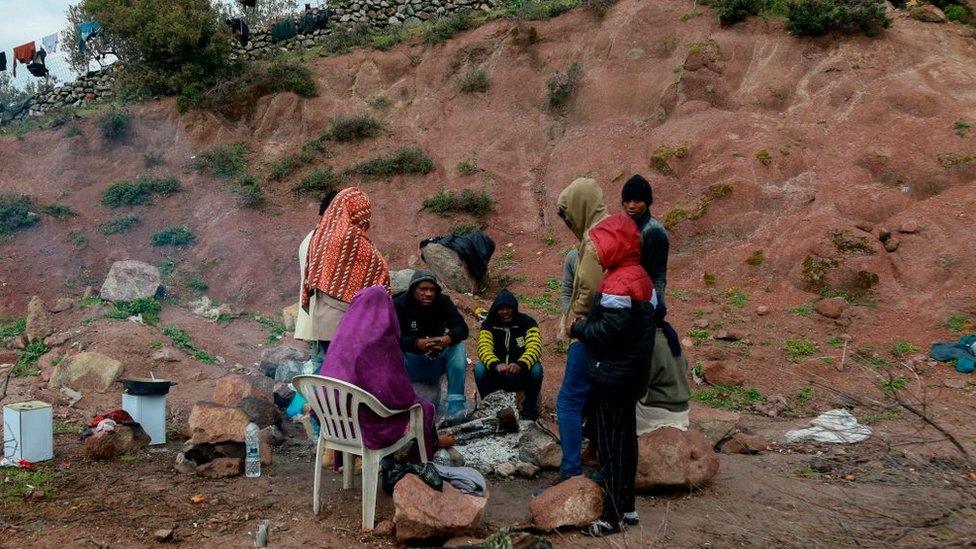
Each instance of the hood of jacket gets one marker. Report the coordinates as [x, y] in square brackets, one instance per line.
[504, 297]
[617, 242]
[422, 275]
[581, 205]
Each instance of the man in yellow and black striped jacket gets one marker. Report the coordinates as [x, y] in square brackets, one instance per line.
[509, 347]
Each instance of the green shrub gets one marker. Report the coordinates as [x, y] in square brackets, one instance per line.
[844, 241]
[468, 165]
[181, 340]
[249, 192]
[756, 258]
[734, 399]
[962, 127]
[177, 235]
[59, 211]
[353, 128]
[119, 225]
[462, 229]
[318, 182]
[196, 283]
[730, 12]
[476, 203]
[957, 322]
[538, 10]
[26, 363]
[665, 152]
[446, 27]
[139, 192]
[283, 167]
[903, 348]
[77, 237]
[959, 13]
[115, 124]
[287, 75]
[475, 80]
[561, 87]
[148, 307]
[797, 350]
[816, 17]
[13, 328]
[16, 213]
[225, 160]
[411, 160]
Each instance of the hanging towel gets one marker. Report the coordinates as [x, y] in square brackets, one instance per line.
[3, 61]
[85, 31]
[25, 54]
[50, 42]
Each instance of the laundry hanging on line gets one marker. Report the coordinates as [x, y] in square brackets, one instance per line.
[50, 42]
[86, 30]
[25, 54]
[3, 61]
[37, 66]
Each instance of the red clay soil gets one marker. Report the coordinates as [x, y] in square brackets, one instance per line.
[813, 137]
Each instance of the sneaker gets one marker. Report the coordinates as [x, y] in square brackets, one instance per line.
[600, 528]
[631, 518]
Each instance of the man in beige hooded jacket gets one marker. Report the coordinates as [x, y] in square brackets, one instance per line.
[581, 206]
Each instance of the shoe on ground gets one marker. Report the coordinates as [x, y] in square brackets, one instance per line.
[631, 518]
[600, 528]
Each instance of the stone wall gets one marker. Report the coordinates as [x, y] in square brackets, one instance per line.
[374, 15]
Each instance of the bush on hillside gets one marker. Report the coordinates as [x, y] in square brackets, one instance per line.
[475, 80]
[959, 13]
[224, 160]
[404, 161]
[446, 27]
[816, 17]
[176, 235]
[237, 94]
[537, 10]
[318, 182]
[562, 86]
[249, 192]
[140, 191]
[730, 12]
[59, 211]
[163, 45]
[119, 225]
[353, 128]
[115, 124]
[476, 203]
[16, 213]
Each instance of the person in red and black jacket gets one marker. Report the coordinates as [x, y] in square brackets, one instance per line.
[619, 338]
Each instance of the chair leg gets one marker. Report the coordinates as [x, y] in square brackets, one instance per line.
[319, 448]
[371, 473]
[348, 466]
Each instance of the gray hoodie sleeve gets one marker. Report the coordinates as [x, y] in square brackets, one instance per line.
[569, 273]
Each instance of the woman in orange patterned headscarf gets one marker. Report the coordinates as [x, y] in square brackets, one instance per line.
[341, 261]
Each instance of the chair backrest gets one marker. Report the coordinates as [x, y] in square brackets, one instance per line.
[336, 404]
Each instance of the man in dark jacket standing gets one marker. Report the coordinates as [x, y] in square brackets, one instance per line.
[619, 336]
[432, 334]
[636, 198]
[509, 346]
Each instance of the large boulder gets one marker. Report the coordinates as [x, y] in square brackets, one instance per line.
[714, 423]
[38, 321]
[285, 361]
[400, 280]
[213, 423]
[231, 388]
[86, 372]
[723, 373]
[576, 501]
[449, 268]
[424, 513]
[130, 280]
[124, 439]
[262, 411]
[540, 448]
[832, 307]
[671, 458]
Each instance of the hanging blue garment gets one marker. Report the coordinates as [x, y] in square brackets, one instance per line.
[85, 31]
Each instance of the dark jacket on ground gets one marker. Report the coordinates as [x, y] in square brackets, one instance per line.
[654, 252]
[475, 249]
[517, 341]
[417, 321]
[619, 331]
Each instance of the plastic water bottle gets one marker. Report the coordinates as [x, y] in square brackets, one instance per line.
[252, 452]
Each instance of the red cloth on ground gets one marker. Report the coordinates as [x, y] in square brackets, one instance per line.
[118, 416]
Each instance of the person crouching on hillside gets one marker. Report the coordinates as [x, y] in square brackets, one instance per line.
[619, 337]
[509, 346]
[341, 260]
[432, 334]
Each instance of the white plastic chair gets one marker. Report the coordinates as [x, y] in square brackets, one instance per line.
[336, 404]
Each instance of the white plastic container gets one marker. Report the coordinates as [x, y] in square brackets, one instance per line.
[28, 431]
[149, 411]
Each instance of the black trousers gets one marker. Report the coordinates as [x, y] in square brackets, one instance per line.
[614, 423]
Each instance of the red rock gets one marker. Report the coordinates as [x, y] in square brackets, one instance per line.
[762, 310]
[8, 357]
[56, 340]
[723, 373]
[865, 226]
[832, 307]
[576, 501]
[167, 354]
[424, 513]
[222, 467]
[892, 244]
[210, 422]
[742, 443]
[669, 457]
[123, 439]
[927, 13]
[384, 528]
[231, 388]
[61, 305]
[883, 234]
[38, 321]
[262, 412]
[909, 227]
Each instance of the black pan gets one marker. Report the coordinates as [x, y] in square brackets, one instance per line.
[144, 386]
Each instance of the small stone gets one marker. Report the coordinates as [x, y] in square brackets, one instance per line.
[163, 535]
[167, 354]
[700, 323]
[865, 226]
[954, 383]
[222, 467]
[909, 227]
[384, 528]
[742, 443]
[56, 340]
[526, 470]
[724, 374]
[505, 469]
[725, 335]
[61, 305]
[883, 234]
[762, 310]
[832, 307]
[687, 342]
[892, 244]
